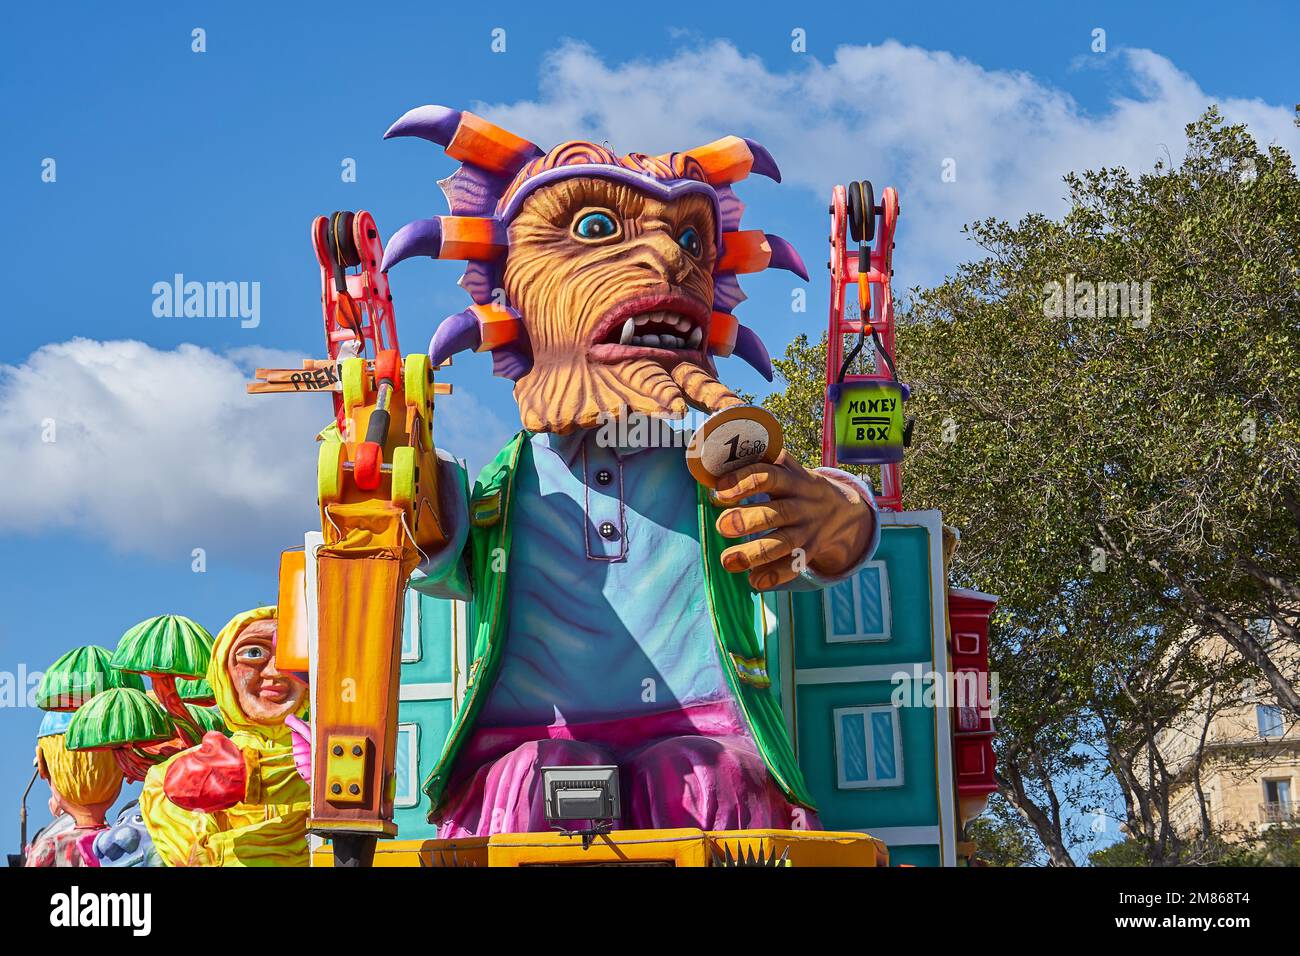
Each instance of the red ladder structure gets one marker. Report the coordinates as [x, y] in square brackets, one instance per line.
[856, 215]
[357, 306]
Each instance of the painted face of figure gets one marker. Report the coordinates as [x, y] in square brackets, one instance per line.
[615, 288]
[265, 694]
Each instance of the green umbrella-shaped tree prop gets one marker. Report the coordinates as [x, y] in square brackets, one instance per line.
[196, 691]
[78, 676]
[208, 718]
[167, 648]
[124, 720]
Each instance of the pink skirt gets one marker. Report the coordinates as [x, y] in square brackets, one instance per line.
[697, 767]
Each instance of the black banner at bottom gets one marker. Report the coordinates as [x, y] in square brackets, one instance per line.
[644, 902]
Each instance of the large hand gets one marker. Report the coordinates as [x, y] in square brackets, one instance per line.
[811, 520]
[300, 731]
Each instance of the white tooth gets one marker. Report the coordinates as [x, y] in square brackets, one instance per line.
[650, 340]
[695, 338]
[642, 319]
[672, 342]
[628, 328]
[683, 323]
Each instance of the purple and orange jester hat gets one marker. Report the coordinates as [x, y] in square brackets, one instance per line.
[499, 170]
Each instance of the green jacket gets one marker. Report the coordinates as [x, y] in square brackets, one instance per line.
[730, 604]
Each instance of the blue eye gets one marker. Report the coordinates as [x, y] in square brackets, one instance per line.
[595, 225]
[690, 241]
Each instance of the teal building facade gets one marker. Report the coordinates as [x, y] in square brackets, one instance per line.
[432, 682]
[840, 660]
[854, 663]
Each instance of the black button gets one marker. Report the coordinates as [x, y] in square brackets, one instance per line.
[608, 531]
[604, 477]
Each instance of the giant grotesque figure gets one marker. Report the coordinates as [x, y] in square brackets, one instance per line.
[613, 595]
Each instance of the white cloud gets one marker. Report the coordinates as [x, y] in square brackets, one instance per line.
[468, 429]
[890, 113]
[161, 451]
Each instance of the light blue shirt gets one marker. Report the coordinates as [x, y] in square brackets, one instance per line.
[604, 625]
[608, 613]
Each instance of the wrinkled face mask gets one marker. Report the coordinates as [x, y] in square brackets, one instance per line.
[265, 694]
[602, 283]
[615, 290]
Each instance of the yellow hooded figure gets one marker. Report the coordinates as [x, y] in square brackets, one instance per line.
[236, 801]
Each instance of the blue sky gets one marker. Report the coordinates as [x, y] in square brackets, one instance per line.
[212, 164]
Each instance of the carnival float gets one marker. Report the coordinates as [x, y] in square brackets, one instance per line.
[679, 648]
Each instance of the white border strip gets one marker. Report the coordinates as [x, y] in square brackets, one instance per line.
[443, 691]
[857, 675]
[904, 836]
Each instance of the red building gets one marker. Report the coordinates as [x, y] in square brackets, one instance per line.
[969, 613]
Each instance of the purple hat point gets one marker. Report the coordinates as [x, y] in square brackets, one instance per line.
[423, 237]
[456, 333]
[751, 348]
[764, 164]
[512, 361]
[437, 124]
[785, 257]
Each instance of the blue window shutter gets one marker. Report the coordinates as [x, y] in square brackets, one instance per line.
[406, 775]
[411, 642]
[840, 599]
[853, 748]
[882, 742]
[872, 608]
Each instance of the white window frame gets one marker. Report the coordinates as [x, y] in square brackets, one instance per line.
[860, 636]
[413, 629]
[412, 764]
[872, 782]
[1280, 782]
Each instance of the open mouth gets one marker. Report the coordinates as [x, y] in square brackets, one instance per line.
[653, 326]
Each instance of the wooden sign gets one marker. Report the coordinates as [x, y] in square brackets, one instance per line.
[316, 375]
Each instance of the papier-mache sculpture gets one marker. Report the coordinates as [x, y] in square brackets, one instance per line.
[236, 800]
[124, 843]
[613, 614]
[83, 786]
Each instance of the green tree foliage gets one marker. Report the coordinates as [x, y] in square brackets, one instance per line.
[1106, 409]
[1122, 853]
[798, 407]
[1001, 837]
[1276, 846]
